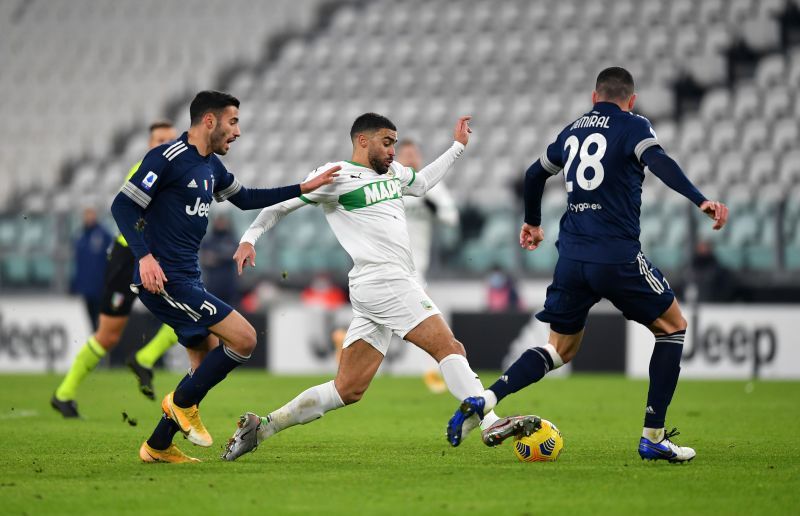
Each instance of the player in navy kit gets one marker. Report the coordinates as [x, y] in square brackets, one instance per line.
[162, 211]
[603, 154]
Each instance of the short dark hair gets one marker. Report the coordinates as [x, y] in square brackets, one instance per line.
[370, 122]
[161, 124]
[210, 101]
[614, 83]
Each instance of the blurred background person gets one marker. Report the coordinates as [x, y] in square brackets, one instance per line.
[219, 270]
[91, 248]
[423, 213]
[437, 206]
[502, 294]
[712, 280]
[113, 279]
[324, 293]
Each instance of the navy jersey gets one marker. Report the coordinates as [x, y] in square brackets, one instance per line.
[175, 185]
[600, 154]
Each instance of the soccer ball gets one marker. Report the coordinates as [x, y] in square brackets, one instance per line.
[544, 445]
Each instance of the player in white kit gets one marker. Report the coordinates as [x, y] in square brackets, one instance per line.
[364, 207]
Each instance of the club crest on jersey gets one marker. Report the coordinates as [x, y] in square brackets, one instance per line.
[149, 180]
[205, 184]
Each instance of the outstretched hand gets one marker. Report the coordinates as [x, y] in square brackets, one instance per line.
[245, 254]
[326, 178]
[530, 236]
[717, 211]
[462, 131]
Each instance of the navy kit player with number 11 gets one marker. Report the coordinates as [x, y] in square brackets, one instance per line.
[162, 211]
[603, 154]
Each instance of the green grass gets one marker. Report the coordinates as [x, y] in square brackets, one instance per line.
[388, 455]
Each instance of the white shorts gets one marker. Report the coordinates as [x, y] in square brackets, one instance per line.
[383, 307]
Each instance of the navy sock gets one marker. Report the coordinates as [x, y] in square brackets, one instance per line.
[665, 367]
[213, 369]
[166, 428]
[529, 368]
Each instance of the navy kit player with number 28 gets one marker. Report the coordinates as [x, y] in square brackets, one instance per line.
[603, 155]
[162, 211]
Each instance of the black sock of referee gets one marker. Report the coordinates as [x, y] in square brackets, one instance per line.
[665, 367]
[529, 368]
[166, 428]
[213, 369]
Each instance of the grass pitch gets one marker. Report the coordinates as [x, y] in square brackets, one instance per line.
[388, 455]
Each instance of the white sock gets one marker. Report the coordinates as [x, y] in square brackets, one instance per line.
[311, 404]
[653, 434]
[489, 419]
[461, 380]
[491, 399]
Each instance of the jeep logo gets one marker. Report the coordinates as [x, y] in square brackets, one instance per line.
[739, 344]
[200, 208]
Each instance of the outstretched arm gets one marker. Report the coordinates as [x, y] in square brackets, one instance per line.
[254, 198]
[668, 171]
[430, 175]
[246, 253]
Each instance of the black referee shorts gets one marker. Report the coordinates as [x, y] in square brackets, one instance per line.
[117, 296]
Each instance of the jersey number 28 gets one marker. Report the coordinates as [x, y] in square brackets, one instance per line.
[587, 160]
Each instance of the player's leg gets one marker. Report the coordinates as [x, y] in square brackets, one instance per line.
[363, 350]
[221, 358]
[529, 368]
[159, 447]
[106, 337]
[566, 308]
[643, 295]
[357, 368]
[665, 366]
[115, 305]
[141, 363]
[434, 336]
[194, 313]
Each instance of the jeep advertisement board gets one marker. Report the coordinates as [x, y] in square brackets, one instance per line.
[729, 341]
[41, 333]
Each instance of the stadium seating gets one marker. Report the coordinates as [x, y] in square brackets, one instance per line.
[522, 68]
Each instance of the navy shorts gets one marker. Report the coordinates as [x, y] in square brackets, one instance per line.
[187, 307]
[637, 289]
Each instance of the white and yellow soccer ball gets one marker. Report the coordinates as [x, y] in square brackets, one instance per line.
[544, 445]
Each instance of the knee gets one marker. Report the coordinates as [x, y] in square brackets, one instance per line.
[245, 342]
[451, 347]
[669, 326]
[457, 348]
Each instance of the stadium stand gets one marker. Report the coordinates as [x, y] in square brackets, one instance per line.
[521, 68]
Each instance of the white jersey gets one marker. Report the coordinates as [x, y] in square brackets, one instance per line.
[366, 213]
